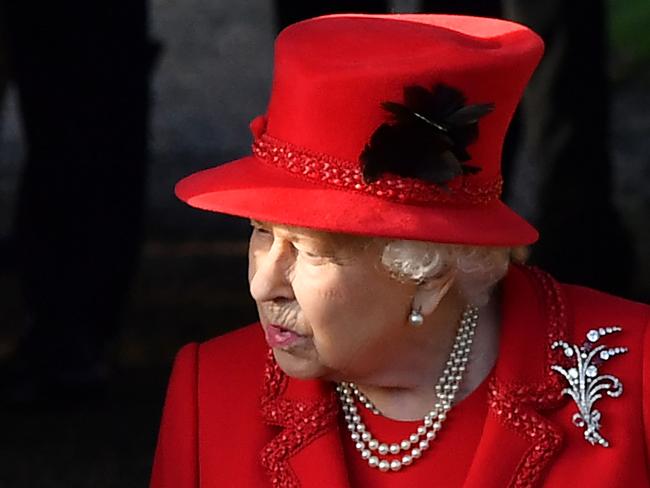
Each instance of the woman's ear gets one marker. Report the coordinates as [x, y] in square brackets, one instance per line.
[430, 293]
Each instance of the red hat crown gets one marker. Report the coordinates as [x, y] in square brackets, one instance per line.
[333, 74]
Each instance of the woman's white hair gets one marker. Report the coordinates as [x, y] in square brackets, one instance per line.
[477, 268]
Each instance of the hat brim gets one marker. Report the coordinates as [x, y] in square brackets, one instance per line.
[251, 188]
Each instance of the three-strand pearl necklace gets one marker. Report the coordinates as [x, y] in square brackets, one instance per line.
[407, 451]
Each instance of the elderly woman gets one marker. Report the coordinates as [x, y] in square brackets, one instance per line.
[397, 344]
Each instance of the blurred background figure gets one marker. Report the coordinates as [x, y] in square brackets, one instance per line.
[76, 107]
[81, 72]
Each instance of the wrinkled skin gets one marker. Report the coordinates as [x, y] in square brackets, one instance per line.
[333, 290]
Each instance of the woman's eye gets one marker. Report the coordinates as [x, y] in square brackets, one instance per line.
[312, 255]
[261, 230]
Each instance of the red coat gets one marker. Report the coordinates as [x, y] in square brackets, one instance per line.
[233, 419]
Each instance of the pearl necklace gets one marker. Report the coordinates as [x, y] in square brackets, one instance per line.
[374, 451]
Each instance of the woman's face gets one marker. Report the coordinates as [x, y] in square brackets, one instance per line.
[328, 307]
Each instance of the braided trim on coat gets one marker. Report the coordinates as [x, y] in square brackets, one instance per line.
[301, 423]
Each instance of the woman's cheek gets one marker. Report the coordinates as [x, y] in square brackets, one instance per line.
[318, 283]
[322, 305]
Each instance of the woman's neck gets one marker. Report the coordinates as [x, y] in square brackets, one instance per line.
[411, 396]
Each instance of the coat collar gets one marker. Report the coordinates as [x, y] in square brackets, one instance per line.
[306, 412]
[533, 316]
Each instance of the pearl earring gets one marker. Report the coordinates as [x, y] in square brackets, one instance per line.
[416, 319]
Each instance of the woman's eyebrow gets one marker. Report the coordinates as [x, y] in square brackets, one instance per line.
[310, 240]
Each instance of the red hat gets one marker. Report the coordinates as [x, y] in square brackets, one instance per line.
[384, 125]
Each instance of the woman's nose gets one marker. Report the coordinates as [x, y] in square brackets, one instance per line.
[270, 273]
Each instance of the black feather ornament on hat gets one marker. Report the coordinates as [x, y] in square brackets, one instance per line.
[426, 137]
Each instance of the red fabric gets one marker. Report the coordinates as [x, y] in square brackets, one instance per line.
[444, 464]
[176, 461]
[331, 75]
[232, 419]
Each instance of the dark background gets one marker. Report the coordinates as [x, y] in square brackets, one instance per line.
[212, 77]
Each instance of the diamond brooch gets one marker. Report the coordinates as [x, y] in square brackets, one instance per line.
[586, 384]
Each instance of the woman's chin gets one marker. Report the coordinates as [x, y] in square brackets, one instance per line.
[299, 365]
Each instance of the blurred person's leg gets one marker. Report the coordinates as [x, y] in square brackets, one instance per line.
[82, 71]
[6, 243]
[288, 12]
[567, 108]
[4, 64]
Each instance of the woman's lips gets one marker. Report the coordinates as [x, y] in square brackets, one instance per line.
[277, 336]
